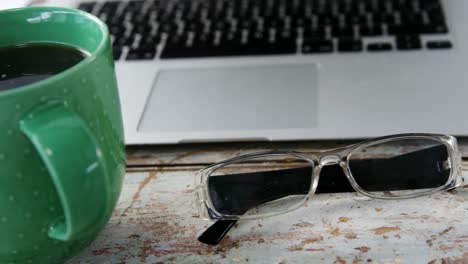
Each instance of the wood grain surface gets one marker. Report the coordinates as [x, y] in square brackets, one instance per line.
[155, 221]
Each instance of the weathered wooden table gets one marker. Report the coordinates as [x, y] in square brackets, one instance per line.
[154, 221]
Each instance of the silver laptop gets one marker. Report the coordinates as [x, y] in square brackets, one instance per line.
[228, 70]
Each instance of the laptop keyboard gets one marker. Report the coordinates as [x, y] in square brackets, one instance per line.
[169, 29]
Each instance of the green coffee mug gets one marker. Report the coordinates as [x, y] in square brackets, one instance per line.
[62, 151]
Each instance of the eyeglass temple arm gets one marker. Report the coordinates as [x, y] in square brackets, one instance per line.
[216, 232]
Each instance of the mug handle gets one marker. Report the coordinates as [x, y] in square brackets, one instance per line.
[75, 164]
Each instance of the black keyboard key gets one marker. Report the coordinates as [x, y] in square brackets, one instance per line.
[376, 47]
[236, 37]
[150, 40]
[169, 28]
[222, 26]
[115, 21]
[206, 50]
[109, 8]
[262, 46]
[216, 15]
[342, 31]
[292, 34]
[283, 45]
[314, 33]
[430, 4]
[302, 22]
[140, 19]
[328, 20]
[192, 16]
[111, 4]
[408, 42]
[436, 18]
[178, 47]
[435, 14]
[434, 11]
[203, 48]
[323, 7]
[135, 6]
[141, 29]
[409, 24]
[141, 53]
[440, 28]
[439, 44]
[124, 41]
[256, 37]
[166, 17]
[317, 46]
[410, 18]
[349, 45]
[182, 6]
[250, 25]
[277, 24]
[393, 29]
[376, 6]
[371, 31]
[87, 7]
[195, 26]
[117, 31]
[382, 18]
[174, 52]
[204, 40]
[177, 40]
[346, 6]
[356, 20]
[252, 48]
[230, 46]
[403, 30]
[117, 52]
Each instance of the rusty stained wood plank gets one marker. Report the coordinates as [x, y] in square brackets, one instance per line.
[155, 223]
[187, 154]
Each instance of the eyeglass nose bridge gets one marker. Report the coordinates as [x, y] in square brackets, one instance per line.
[328, 160]
[334, 159]
[322, 161]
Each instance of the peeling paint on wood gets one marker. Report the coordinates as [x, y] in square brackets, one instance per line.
[385, 229]
[154, 222]
[343, 219]
[363, 249]
[351, 235]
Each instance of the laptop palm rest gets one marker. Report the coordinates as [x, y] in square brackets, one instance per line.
[267, 97]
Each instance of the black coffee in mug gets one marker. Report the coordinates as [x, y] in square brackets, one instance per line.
[31, 62]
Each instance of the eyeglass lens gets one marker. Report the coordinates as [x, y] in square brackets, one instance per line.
[401, 167]
[260, 186]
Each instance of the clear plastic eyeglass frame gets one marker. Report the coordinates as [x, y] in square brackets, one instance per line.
[318, 160]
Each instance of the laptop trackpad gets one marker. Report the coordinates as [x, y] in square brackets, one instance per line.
[233, 98]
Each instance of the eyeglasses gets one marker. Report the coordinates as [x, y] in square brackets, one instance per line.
[271, 183]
